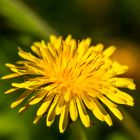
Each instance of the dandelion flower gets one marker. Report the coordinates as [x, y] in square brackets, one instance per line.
[70, 78]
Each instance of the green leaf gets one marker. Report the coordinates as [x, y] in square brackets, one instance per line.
[24, 19]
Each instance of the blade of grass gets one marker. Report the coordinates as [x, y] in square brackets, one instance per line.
[130, 125]
[24, 19]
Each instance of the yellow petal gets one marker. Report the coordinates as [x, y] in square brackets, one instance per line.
[118, 68]
[59, 105]
[27, 85]
[51, 113]
[129, 99]
[27, 56]
[11, 90]
[99, 111]
[17, 70]
[10, 65]
[91, 92]
[88, 102]
[63, 121]
[67, 95]
[98, 48]
[36, 119]
[73, 110]
[21, 98]
[108, 119]
[112, 107]
[117, 113]
[10, 76]
[87, 54]
[37, 98]
[58, 43]
[53, 39]
[24, 108]
[83, 113]
[45, 54]
[83, 47]
[123, 82]
[114, 94]
[50, 87]
[52, 50]
[35, 49]
[68, 39]
[44, 106]
[109, 51]
[125, 95]
[107, 102]
[120, 99]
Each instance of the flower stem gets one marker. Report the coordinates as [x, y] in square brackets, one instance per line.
[130, 125]
[78, 132]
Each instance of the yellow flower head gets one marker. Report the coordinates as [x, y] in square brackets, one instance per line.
[69, 78]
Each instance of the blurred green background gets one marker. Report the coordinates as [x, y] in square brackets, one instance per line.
[105, 21]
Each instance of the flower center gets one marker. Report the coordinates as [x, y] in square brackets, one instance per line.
[65, 78]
